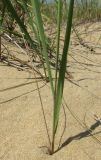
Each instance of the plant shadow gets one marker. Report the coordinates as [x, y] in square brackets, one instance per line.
[81, 135]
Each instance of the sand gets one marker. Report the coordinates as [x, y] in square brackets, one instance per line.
[22, 129]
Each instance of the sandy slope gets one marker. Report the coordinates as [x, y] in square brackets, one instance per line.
[22, 129]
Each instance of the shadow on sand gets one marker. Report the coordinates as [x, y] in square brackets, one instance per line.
[81, 135]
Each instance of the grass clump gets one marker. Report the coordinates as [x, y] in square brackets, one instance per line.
[33, 11]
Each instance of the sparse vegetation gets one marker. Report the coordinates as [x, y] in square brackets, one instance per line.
[26, 22]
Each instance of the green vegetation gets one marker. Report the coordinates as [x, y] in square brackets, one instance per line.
[31, 15]
[88, 10]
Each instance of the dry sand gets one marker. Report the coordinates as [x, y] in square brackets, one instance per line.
[22, 129]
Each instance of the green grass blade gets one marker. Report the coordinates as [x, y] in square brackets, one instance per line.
[59, 18]
[63, 68]
[2, 15]
[27, 9]
[20, 23]
[37, 12]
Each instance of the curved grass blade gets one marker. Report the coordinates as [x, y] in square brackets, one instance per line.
[38, 18]
[20, 23]
[27, 9]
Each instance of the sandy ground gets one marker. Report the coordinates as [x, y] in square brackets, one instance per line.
[22, 128]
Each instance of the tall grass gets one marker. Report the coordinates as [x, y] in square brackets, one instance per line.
[88, 10]
[59, 81]
[57, 87]
[84, 10]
